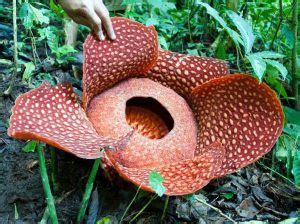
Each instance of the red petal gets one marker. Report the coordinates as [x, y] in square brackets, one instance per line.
[182, 72]
[107, 112]
[108, 62]
[53, 115]
[245, 116]
[180, 178]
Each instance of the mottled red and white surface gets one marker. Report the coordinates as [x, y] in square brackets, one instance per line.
[222, 122]
[142, 151]
[134, 52]
[242, 114]
[183, 73]
[54, 115]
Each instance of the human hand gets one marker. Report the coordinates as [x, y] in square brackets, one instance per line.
[91, 13]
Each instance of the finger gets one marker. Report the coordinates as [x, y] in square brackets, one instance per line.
[103, 13]
[80, 20]
[95, 23]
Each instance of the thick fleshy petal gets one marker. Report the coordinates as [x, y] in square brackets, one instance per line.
[134, 52]
[244, 115]
[112, 116]
[107, 62]
[182, 72]
[53, 115]
[180, 178]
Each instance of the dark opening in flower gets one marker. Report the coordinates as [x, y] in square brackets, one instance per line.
[154, 143]
[192, 121]
[148, 117]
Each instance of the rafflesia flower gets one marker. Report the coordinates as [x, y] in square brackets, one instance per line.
[192, 121]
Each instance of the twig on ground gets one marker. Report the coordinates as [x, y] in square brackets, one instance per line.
[165, 209]
[215, 209]
[142, 210]
[88, 191]
[275, 172]
[128, 207]
[46, 185]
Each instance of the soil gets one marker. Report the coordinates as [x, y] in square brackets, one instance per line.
[250, 194]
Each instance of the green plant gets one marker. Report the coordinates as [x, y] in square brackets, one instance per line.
[43, 33]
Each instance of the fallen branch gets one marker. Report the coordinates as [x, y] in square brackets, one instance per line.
[143, 209]
[215, 209]
[128, 207]
[165, 209]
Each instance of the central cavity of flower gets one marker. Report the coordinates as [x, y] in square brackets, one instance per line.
[163, 123]
[148, 117]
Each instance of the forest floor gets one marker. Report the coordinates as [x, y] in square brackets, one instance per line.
[250, 194]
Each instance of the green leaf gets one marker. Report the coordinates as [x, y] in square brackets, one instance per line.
[39, 17]
[292, 129]
[215, 14]
[163, 6]
[268, 54]
[193, 52]
[29, 14]
[290, 221]
[280, 67]
[104, 220]
[258, 64]
[281, 152]
[130, 2]
[253, 222]
[296, 168]
[57, 9]
[29, 146]
[276, 84]
[152, 22]
[5, 62]
[62, 54]
[288, 34]
[26, 15]
[220, 51]
[163, 43]
[29, 68]
[50, 34]
[292, 115]
[245, 30]
[16, 212]
[228, 195]
[156, 183]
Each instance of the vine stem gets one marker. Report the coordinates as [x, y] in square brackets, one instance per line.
[295, 75]
[46, 185]
[15, 47]
[215, 209]
[279, 23]
[88, 191]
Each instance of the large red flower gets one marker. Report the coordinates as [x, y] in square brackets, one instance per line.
[192, 121]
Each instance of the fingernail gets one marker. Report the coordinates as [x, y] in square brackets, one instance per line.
[101, 36]
[113, 36]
